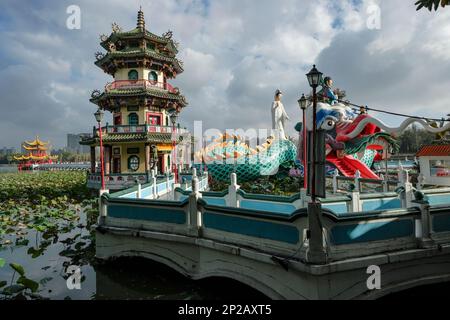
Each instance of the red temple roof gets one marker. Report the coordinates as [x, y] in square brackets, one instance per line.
[435, 150]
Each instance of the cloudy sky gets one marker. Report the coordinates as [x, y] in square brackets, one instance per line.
[236, 54]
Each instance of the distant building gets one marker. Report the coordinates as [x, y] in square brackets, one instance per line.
[73, 143]
[435, 163]
[7, 151]
[35, 152]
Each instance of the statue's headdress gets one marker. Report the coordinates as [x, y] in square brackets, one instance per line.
[325, 81]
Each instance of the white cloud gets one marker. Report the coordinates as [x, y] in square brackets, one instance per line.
[236, 54]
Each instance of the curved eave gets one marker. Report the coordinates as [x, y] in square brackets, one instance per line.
[151, 137]
[38, 148]
[140, 92]
[110, 56]
[138, 34]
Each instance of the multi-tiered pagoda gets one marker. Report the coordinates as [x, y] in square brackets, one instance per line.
[35, 152]
[143, 103]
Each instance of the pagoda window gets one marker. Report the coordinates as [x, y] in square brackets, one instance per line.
[153, 77]
[133, 119]
[133, 75]
[133, 163]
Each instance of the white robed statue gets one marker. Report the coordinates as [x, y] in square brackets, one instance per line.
[279, 117]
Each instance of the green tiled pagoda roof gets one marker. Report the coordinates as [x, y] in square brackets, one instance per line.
[136, 32]
[138, 52]
[130, 137]
[140, 91]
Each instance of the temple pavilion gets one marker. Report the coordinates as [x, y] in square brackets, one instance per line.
[35, 152]
[143, 104]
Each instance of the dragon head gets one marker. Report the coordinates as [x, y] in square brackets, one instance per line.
[349, 133]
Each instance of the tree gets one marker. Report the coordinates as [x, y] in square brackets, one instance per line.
[413, 138]
[429, 4]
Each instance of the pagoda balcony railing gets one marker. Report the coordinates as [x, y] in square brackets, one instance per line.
[145, 128]
[139, 84]
[118, 181]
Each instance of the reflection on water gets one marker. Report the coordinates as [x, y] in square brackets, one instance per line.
[138, 278]
[45, 260]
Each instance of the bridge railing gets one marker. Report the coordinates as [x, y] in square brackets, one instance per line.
[272, 229]
[341, 184]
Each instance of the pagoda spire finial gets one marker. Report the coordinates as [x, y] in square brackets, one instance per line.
[140, 19]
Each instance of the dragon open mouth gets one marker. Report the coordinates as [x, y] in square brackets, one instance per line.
[369, 137]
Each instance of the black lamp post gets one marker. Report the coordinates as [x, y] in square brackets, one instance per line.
[315, 79]
[316, 253]
[173, 119]
[99, 117]
[302, 103]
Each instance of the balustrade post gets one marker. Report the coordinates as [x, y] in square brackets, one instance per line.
[384, 183]
[357, 181]
[335, 181]
[420, 181]
[232, 192]
[355, 202]
[168, 187]
[139, 189]
[194, 214]
[304, 198]
[423, 225]
[103, 212]
[409, 196]
[154, 186]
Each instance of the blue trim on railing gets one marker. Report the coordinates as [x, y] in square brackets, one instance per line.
[441, 223]
[280, 208]
[251, 227]
[146, 213]
[147, 192]
[381, 204]
[131, 195]
[215, 201]
[371, 231]
[338, 207]
[438, 199]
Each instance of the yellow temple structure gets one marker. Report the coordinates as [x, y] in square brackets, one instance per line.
[35, 153]
[143, 104]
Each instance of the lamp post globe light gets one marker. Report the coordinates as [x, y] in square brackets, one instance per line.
[302, 103]
[314, 77]
[99, 117]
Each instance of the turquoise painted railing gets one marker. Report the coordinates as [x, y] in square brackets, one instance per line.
[149, 190]
[278, 224]
[340, 205]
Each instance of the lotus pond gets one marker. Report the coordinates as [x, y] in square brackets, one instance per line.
[45, 230]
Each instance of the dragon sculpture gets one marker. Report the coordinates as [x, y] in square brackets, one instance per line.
[229, 153]
[353, 143]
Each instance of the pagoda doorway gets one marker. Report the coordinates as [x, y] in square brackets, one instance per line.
[116, 165]
[161, 163]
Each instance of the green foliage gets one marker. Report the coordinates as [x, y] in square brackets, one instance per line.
[280, 184]
[431, 4]
[413, 138]
[45, 206]
[23, 287]
[18, 268]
